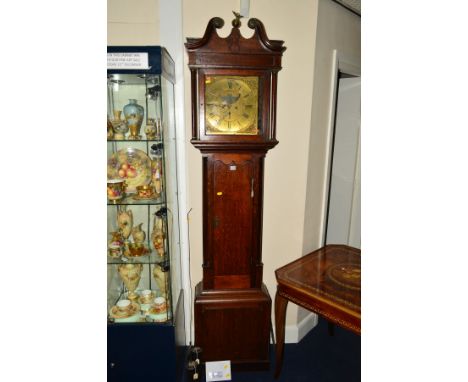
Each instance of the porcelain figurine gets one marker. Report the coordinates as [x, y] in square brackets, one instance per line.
[130, 274]
[125, 222]
[138, 234]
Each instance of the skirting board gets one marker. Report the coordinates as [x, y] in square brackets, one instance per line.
[294, 333]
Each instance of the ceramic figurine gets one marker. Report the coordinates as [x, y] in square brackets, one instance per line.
[134, 116]
[125, 222]
[130, 274]
[138, 234]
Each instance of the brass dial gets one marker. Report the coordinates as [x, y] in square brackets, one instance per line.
[231, 105]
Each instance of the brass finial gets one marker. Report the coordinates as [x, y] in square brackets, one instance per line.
[236, 23]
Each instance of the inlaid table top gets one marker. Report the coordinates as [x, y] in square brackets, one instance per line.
[329, 278]
[327, 282]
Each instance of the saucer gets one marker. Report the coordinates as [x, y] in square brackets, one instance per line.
[129, 315]
[150, 197]
[157, 315]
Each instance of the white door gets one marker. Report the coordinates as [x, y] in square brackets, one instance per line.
[344, 210]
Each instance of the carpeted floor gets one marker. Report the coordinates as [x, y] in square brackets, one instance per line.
[317, 358]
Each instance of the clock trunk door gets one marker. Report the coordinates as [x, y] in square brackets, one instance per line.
[232, 198]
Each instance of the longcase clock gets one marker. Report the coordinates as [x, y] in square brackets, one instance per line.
[233, 82]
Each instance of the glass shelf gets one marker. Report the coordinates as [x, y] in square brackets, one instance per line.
[160, 141]
[151, 258]
[129, 200]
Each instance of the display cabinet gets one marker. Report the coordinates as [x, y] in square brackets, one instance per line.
[144, 294]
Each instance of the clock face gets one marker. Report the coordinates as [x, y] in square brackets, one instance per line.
[231, 105]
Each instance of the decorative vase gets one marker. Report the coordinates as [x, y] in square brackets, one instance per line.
[130, 274]
[110, 129]
[150, 129]
[157, 235]
[158, 128]
[156, 174]
[138, 234]
[125, 222]
[119, 126]
[160, 278]
[134, 116]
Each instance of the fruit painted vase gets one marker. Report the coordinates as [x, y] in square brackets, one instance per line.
[125, 222]
[157, 235]
[130, 274]
[134, 116]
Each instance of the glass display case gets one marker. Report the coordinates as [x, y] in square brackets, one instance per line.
[143, 252]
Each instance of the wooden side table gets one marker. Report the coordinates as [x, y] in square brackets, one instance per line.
[327, 282]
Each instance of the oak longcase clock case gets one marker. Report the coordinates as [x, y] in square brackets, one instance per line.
[145, 317]
[234, 84]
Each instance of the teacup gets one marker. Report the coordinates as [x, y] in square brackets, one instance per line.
[115, 189]
[145, 191]
[115, 250]
[146, 296]
[124, 305]
[160, 304]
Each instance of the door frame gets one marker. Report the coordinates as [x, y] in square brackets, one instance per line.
[344, 64]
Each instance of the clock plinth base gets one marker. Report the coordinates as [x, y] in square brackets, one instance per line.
[234, 324]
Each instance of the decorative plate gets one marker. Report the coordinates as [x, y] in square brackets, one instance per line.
[130, 164]
[116, 313]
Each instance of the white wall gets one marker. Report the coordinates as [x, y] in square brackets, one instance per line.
[286, 164]
[134, 22]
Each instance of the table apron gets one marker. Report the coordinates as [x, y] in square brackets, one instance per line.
[328, 311]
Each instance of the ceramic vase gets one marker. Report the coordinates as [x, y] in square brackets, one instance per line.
[157, 235]
[125, 222]
[134, 116]
[119, 126]
[156, 174]
[130, 274]
[160, 278]
[150, 129]
[110, 129]
[138, 234]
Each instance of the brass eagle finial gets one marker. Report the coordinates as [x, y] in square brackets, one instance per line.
[236, 23]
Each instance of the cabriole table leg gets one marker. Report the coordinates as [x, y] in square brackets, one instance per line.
[280, 318]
